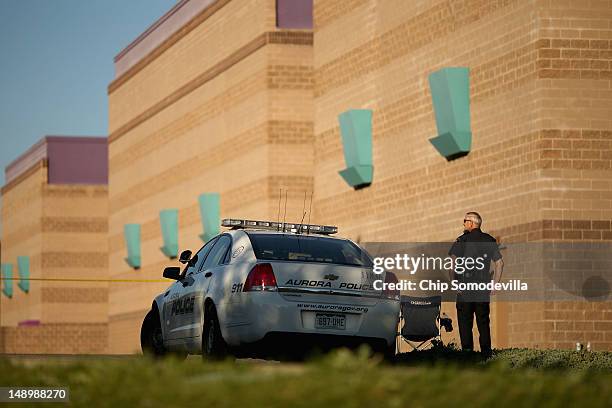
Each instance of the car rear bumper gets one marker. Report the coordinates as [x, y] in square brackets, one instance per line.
[268, 314]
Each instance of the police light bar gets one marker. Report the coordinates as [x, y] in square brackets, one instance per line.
[279, 226]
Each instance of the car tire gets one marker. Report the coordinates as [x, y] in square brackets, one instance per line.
[213, 345]
[151, 338]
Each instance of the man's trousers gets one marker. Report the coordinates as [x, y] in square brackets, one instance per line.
[465, 317]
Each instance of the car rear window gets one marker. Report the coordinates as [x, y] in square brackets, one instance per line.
[308, 248]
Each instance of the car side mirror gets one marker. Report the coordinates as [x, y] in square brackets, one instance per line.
[185, 256]
[172, 272]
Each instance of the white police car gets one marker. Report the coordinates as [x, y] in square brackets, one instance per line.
[263, 284]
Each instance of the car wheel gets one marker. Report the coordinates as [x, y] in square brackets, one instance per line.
[213, 345]
[151, 338]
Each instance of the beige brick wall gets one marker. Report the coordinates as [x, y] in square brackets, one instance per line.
[63, 229]
[22, 205]
[228, 110]
[235, 24]
[541, 108]
[56, 338]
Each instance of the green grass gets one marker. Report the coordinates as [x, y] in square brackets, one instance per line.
[512, 378]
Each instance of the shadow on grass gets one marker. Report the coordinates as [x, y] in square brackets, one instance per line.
[437, 356]
[511, 358]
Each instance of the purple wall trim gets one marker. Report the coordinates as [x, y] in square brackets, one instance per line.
[28, 323]
[70, 160]
[158, 32]
[294, 13]
[77, 160]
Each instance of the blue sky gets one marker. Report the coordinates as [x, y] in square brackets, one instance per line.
[56, 61]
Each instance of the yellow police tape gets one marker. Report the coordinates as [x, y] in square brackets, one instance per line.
[91, 280]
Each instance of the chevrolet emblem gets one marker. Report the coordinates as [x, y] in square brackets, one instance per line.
[331, 277]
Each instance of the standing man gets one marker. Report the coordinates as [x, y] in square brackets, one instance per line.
[481, 248]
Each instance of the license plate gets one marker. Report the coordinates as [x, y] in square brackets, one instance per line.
[330, 321]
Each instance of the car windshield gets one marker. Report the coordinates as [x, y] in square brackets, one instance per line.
[308, 248]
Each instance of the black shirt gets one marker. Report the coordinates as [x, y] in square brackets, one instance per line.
[481, 248]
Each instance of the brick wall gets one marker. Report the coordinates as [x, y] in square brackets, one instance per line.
[225, 107]
[56, 338]
[22, 206]
[63, 229]
[541, 110]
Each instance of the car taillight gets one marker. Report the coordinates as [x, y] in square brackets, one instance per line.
[387, 293]
[260, 278]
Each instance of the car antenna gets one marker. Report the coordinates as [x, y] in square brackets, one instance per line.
[280, 193]
[285, 214]
[303, 214]
[309, 211]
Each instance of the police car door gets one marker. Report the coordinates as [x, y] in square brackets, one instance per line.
[204, 276]
[180, 308]
[172, 304]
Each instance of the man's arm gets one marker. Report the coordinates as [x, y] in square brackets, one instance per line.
[499, 268]
[455, 251]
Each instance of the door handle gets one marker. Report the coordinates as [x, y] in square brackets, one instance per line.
[208, 274]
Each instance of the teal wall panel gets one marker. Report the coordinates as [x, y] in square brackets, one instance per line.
[7, 280]
[450, 94]
[210, 212]
[169, 227]
[356, 130]
[23, 264]
[131, 233]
